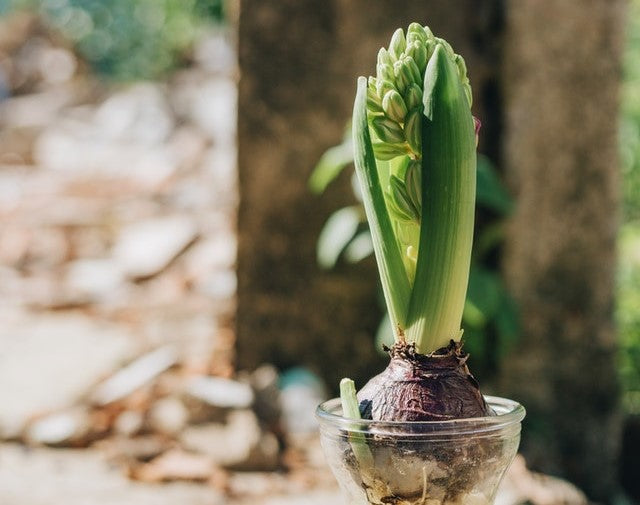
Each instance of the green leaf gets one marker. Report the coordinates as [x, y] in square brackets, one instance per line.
[490, 307]
[359, 248]
[473, 316]
[336, 234]
[489, 238]
[490, 191]
[448, 207]
[485, 292]
[331, 164]
[395, 283]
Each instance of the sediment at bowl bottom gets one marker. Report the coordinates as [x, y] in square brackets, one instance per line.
[456, 472]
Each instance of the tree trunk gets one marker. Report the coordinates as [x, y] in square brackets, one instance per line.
[299, 60]
[562, 74]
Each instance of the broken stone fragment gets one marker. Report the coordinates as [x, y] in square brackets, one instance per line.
[93, 280]
[144, 249]
[140, 448]
[128, 423]
[135, 375]
[220, 392]
[66, 428]
[168, 416]
[60, 357]
[239, 444]
[174, 465]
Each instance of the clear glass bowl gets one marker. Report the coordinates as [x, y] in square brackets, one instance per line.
[452, 462]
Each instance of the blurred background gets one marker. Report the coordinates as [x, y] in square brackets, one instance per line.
[185, 272]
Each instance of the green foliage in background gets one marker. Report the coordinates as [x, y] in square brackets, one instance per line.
[490, 319]
[127, 39]
[628, 308]
[630, 127]
[629, 314]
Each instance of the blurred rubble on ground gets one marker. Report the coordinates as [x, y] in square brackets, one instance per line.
[117, 254]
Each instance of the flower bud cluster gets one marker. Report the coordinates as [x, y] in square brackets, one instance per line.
[395, 109]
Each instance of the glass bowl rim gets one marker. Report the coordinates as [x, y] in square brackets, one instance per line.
[509, 413]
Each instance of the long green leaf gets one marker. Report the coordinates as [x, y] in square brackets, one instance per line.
[448, 206]
[395, 282]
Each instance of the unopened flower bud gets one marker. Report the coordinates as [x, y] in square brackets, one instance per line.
[384, 58]
[446, 46]
[416, 33]
[430, 46]
[384, 151]
[398, 43]
[373, 101]
[428, 32]
[401, 199]
[393, 106]
[413, 183]
[413, 130]
[385, 72]
[403, 77]
[413, 96]
[412, 67]
[418, 51]
[462, 66]
[383, 86]
[394, 210]
[387, 130]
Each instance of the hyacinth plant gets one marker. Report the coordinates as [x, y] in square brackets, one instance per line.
[414, 141]
[420, 432]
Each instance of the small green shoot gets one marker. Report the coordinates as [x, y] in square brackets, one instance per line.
[351, 410]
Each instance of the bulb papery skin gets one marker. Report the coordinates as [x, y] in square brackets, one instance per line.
[418, 387]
